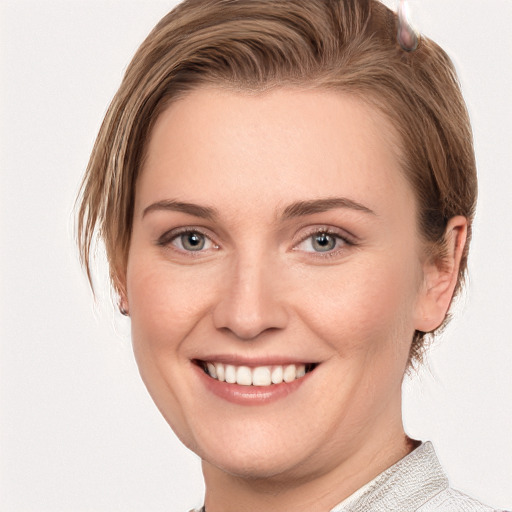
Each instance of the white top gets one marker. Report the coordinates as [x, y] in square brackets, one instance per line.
[415, 483]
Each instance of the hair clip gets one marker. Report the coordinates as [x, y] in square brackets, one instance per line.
[407, 37]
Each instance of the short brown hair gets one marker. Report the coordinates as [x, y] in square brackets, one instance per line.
[348, 45]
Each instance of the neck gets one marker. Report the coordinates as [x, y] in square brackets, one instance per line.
[303, 491]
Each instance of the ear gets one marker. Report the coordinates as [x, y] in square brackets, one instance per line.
[440, 275]
[119, 282]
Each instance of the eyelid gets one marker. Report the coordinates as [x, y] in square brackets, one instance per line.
[347, 239]
[166, 239]
[330, 230]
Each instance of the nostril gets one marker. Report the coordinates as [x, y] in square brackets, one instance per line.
[250, 306]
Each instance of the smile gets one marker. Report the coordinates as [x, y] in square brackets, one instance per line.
[256, 376]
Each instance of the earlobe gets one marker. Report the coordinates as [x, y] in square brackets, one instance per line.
[440, 275]
[119, 282]
[123, 305]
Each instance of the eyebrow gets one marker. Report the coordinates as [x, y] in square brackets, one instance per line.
[203, 212]
[301, 208]
[296, 209]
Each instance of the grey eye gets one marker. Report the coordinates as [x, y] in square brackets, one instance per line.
[192, 241]
[323, 242]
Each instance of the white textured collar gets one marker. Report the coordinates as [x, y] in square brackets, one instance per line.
[406, 485]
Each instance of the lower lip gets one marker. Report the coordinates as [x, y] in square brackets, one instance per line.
[249, 395]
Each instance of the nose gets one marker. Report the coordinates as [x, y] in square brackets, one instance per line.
[251, 301]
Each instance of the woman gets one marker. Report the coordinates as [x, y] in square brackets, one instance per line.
[286, 190]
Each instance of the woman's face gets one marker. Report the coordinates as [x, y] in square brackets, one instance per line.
[273, 235]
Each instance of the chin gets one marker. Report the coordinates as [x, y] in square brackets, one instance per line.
[253, 453]
[266, 465]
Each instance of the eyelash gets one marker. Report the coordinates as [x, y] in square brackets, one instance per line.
[170, 236]
[344, 237]
[167, 238]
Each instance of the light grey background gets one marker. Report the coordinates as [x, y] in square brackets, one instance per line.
[78, 431]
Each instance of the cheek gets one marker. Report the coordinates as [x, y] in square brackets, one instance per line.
[164, 303]
[165, 306]
[364, 307]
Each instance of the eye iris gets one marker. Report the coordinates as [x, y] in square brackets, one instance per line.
[323, 242]
[193, 241]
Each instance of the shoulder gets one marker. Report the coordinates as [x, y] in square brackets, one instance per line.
[450, 500]
[417, 482]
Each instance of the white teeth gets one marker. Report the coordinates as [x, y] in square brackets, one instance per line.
[258, 376]
[243, 376]
[219, 368]
[261, 376]
[289, 373]
[277, 375]
[211, 370]
[230, 374]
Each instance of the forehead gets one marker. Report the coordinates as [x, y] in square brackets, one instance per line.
[287, 143]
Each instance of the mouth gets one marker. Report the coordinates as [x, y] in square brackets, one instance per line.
[257, 376]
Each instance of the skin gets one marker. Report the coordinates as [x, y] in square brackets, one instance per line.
[261, 289]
